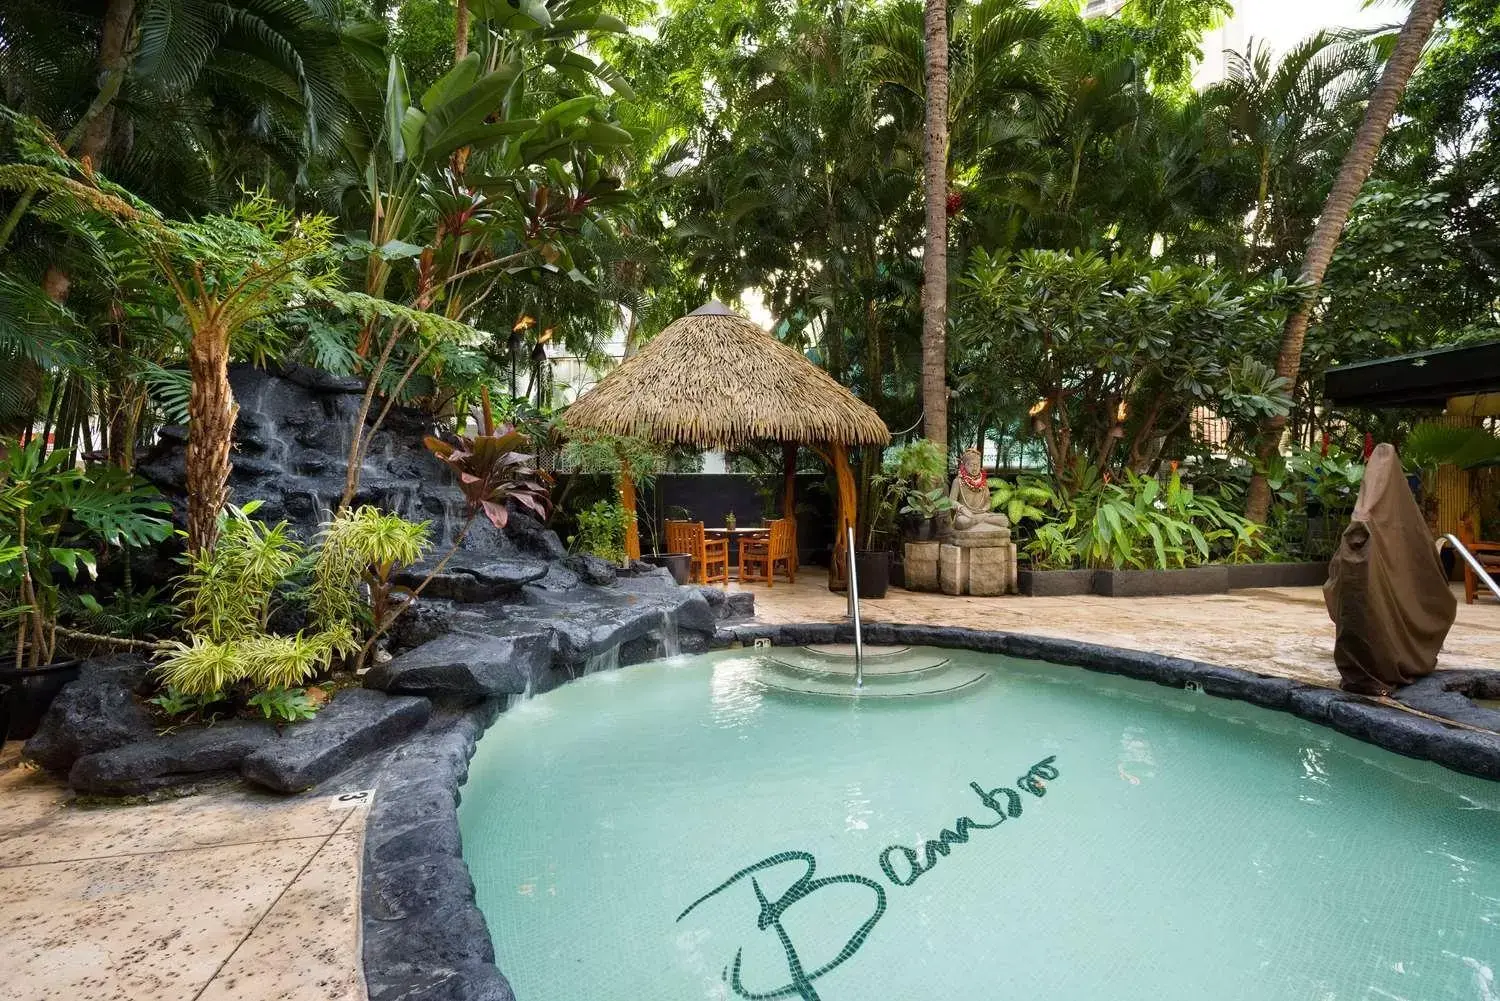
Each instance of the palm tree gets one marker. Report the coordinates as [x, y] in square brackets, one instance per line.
[973, 92]
[1286, 124]
[1358, 163]
[935, 203]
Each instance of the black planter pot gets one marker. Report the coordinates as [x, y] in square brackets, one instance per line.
[874, 572]
[679, 564]
[4, 710]
[31, 692]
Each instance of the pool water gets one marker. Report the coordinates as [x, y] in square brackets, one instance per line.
[681, 830]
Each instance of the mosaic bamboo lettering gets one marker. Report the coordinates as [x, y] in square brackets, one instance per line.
[901, 865]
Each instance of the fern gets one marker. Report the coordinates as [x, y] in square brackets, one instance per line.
[168, 389]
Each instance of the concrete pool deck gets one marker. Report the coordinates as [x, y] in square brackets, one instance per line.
[225, 895]
[232, 895]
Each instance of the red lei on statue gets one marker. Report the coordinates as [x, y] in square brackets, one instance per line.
[973, 483]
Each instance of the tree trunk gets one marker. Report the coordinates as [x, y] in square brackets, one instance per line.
[460, 50]
[1358, 163]
[211, 414]
[114, 35]
[935, 253]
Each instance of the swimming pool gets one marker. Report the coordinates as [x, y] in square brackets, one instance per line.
[684, 830]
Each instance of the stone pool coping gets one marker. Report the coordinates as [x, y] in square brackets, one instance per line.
[426, 940]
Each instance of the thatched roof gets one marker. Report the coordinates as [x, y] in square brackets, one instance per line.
[715, 379]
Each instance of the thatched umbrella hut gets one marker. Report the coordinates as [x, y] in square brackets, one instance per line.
[714, 379]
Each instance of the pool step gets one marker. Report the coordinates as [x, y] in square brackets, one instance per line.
[889, 672]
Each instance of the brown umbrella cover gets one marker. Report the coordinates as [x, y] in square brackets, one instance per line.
[1386, 591]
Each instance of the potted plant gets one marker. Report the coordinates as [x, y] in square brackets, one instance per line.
[920, 467]
[922, 549]
[729, 521]
[54, 517]
[925, 507]
[873, 567]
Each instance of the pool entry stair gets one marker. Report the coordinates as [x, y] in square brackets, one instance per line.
[888, 672]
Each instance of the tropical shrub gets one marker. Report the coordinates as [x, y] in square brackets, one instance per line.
[1117, 353]
[601, 531]
[54, 519]
[1145, 525]
[927, 504]
[920, 461]
[1026, 498]
[1055, 546]
[492, 472]
[286, 704]
[361, 549]
[230, 592]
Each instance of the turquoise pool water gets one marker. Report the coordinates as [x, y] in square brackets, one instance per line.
[679, 831]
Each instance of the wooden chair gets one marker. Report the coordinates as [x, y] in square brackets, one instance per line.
[688, 537]
[1487, 553]
[765, 552]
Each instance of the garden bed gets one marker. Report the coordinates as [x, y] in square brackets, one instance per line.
[1148, 583]
[1309, 574]
[1054, 583]
[1214, 579]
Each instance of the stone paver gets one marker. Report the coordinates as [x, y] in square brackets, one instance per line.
[177, 900]
[1283, 631]
[239, 896]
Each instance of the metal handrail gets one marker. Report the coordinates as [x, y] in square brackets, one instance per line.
[1469, 558]
[859, 639]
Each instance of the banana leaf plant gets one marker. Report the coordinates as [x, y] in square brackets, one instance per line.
[477, 180]
[54, 519]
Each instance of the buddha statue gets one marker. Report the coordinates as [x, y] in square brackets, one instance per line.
[971, 498]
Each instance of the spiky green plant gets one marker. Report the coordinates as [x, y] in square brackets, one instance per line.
[228, 590]
[361, 547]
[200, 667]
[203, 667]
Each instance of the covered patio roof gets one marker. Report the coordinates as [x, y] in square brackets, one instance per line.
[1424, 379]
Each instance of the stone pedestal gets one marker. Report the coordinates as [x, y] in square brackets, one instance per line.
[981, 563]
[922, 566]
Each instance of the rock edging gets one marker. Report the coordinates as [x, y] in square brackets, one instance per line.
[424, 936]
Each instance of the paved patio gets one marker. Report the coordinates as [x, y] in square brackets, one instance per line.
[249, 897]
[227, 895]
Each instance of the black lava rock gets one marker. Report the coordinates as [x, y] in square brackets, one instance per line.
[424, 938]
[592, 569]
[467, 665]
[482, 581]
[171, 759]
[355, 723]
[98, 712]
[739, 605]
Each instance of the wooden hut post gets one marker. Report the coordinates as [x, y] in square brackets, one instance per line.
[844, 517]
[627, 500]
[789, 491]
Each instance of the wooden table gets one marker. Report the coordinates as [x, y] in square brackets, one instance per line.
[734, 536]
